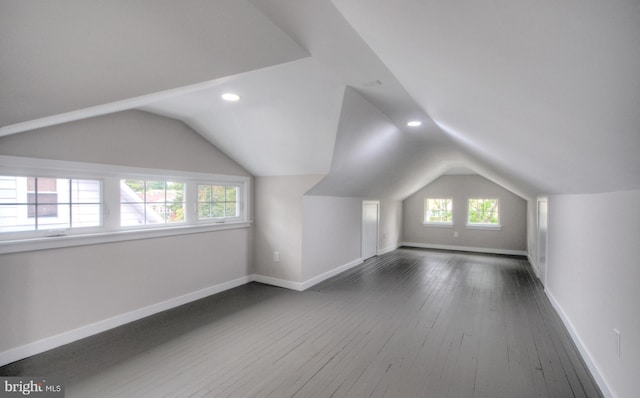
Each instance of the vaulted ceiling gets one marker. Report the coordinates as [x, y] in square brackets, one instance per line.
[538, 97]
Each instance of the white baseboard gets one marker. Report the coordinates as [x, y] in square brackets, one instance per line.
[534, 266]
[387, 249]
[48, 343]
[466, 249]
[301, 286]
[584, 351]
[268, 280]
[326, 275]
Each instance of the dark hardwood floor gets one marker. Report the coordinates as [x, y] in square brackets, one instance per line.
[411, 323]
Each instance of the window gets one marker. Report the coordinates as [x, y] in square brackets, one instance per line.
[438, 211]
[483, 212]
[218, 201]
[145, 202]
[29, 203]
[45, 196]
[77, 203]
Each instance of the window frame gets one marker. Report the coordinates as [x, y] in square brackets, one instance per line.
[480, 225]
[436, 223]
[148, 204]
[46, 232]
[110, 229]
[36, 193]
[221, 220]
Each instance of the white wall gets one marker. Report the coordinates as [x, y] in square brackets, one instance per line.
[390, 234]
[314, 235]
[49, 292]
[131, 138]
[278, 225]
[513, 216]
[331, 233]
[532, 233]
[592, 277]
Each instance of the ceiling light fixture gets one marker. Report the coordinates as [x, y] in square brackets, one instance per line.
[414, 123]
[230, 97]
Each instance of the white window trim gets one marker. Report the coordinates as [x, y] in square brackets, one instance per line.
[444, 224]
[111, 231]
[220, 220]
[438, 224]
[484, 226]
[51, 232]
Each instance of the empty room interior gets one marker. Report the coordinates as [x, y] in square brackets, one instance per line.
[320, 198]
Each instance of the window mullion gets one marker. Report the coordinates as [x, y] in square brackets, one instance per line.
[35, 211]
[144, 201]
[191, 202]
[165, 204]
[111, 203]
[224, 204]
[69, 204]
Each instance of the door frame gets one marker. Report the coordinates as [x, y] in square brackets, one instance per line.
[365, 203]
[542, 266]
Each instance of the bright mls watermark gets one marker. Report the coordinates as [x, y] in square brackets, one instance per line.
[41, 387]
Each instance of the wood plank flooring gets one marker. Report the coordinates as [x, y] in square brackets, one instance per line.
[411, 323]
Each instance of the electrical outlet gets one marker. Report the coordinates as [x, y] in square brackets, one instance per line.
[455, 234]
[618, 338]
[276, 257]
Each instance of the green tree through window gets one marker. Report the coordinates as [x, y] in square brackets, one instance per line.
[151, 202]
[483, 211]
[218, 201]
[438, 210]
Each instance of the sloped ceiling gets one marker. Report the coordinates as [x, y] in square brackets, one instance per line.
[374, 158]
[549, 90]
[539, 98]
[285, 122]
[61, 56]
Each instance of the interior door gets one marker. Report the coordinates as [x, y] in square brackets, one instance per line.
[369, 229]
[542, 240]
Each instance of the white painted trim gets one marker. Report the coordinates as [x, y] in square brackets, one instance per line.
[438, 224]
[82, 332]
[326, 275]
[48, 343]
[268, 280]
[489, 227]
[301, 286]
[584, 351]
[377, 204]
[466, 249]
[55, 242]
[17, 165]
[539, 200]
[388, 249]
[533, 265]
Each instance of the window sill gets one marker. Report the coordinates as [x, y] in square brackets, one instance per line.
[484, 226]
[438, 224]
[55, 242]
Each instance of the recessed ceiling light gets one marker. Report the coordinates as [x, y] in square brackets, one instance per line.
[231, 97]
[414, 123]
